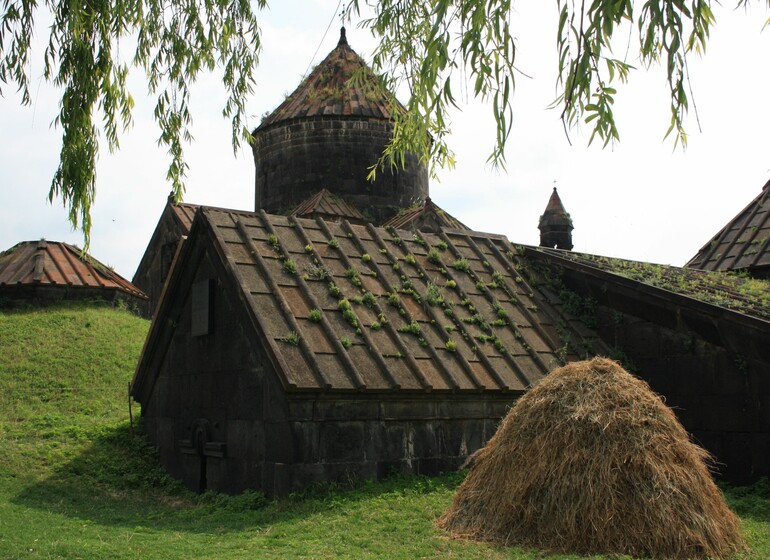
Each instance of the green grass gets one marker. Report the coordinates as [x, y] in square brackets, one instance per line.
[75, 482]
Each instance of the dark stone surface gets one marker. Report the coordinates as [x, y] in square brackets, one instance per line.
[342, 441]
[712, 387]
[296, 159]
[156, 262]
[216, 388]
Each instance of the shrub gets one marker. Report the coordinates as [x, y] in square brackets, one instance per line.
[462, 265]
[290, 266]
[369, 300]
[291, 338]
[411, 328]
[334, 290]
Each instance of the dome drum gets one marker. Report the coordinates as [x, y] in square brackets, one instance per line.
[296, 158]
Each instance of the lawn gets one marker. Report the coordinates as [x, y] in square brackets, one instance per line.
[77, 482]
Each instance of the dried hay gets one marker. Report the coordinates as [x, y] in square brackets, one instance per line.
[592, 461]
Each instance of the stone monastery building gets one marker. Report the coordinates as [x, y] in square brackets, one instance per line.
[348, 328]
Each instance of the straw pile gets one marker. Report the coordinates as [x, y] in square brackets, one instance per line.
[592, 461]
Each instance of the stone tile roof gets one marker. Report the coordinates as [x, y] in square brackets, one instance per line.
[329, 206]
[184, 214]
[341, 85]
[349, 307]
[427, 215]
[743, 244]
[52, 263]
[748, 296]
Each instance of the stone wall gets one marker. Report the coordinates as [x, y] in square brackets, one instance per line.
[296, 159]
[371, 436]
[718, 393]
[208, 405]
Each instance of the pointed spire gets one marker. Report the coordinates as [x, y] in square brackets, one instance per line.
[343, 39]
[555, 224]
[555, 205]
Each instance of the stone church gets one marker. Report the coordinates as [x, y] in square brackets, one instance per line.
[350, 329]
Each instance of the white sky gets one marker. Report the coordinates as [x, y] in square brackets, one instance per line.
[640, 200]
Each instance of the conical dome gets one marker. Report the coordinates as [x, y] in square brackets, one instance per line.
[327, 134]
[329, 91]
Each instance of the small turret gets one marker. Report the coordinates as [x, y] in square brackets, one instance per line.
[555, 225]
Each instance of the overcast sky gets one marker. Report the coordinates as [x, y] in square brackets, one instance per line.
[639, 200]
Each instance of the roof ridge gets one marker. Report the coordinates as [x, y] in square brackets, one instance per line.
[584, 260]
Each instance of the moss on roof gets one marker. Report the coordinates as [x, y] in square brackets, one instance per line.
[731, 290]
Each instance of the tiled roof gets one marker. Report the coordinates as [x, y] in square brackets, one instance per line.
[52, 263]
[744, 243]
[184, 214]
[349, 307]
[341, 85]
[174, 223]
[748, 296]
[413, 218]
[327, 205]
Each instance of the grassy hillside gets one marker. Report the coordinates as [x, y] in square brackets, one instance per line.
[75, 483]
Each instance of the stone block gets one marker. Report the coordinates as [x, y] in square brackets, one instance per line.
[422, 409]
[424, 442]
[760, 454]
[307, 438]
[452, 408]
[341, 442]
[737, 457]
[386, 441]
[725, 414]
[346, 409]
[390, 468]
[301, 410]
[451, 438]
[498, 409]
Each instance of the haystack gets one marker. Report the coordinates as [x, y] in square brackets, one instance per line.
[592, 461]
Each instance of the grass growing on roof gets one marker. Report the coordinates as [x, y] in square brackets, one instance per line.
[732, 290]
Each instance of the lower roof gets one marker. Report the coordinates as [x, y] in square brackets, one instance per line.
[57, 264]
[739, 293]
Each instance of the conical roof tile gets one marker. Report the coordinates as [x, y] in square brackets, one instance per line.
[341, 85]
[555, 213]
